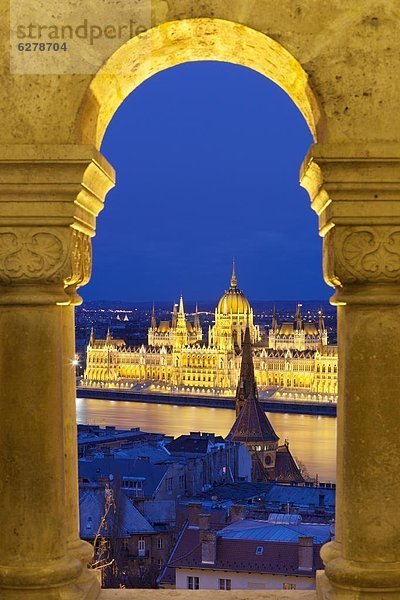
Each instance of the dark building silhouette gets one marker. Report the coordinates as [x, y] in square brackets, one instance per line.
[270, 462]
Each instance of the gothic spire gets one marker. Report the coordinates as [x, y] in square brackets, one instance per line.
[321, 322]
[91, 340]
[181, 324]
[274, 325]
[153, 319]
[196, 318]
[252, 424]
[233, 278]
[174, 315]
[181, 311]
[108, 336]
[247, 385]
[298, 318]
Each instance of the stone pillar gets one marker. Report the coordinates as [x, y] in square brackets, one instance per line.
[81, 550]
[49, 199]
[356, 193]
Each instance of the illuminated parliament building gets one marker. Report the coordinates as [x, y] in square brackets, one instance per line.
[291, 356]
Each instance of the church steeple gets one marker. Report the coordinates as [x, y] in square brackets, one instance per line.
[91, 340]
[252, 426]
[196, 318]
[321, 322]
[298, 318]
[174, 315]
[234, 282]
[247, 385]
[274, 325]
[153, 319]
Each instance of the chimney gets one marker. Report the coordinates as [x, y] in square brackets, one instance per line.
[306, 553]
[204, 521]
[237, 513]
[193, 514]
[208, 540]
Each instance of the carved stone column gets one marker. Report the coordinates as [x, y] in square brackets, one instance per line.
[49, 199]
[82, 260]
[356, 193]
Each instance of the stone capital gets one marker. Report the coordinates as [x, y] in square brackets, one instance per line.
[50, 197]
[355, 191]
[43, 264]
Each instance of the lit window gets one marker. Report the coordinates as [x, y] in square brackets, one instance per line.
[141, 546]
[193, 583]
[289, 586]
[225, 584]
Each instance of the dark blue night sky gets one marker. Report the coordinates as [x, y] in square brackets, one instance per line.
[207, 157]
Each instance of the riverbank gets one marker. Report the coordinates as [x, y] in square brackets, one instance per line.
[270, 405]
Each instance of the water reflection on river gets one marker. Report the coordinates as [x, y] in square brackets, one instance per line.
[312, 439]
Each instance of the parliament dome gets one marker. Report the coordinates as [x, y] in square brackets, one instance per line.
[234, 301]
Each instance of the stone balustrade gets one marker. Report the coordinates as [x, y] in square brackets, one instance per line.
[339, 62]
[207, 595]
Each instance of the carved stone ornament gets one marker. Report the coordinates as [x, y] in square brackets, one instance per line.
[30, 255]
[80, 260]
[35, 255]
[363, 253]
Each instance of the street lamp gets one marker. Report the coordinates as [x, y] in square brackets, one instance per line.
[75, 363]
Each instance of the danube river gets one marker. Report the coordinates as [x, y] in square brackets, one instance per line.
[312, 438]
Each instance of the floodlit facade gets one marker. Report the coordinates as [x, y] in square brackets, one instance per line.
[293, 356]
[339, 63]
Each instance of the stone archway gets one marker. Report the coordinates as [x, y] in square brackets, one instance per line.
[53, 183]
[191, 40]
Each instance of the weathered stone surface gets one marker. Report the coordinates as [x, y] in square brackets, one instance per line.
[350, 51]
[339, 62]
